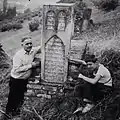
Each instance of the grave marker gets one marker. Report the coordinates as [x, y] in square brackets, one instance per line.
[57, 31]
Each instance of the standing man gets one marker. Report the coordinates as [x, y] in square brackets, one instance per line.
[92, 88]
[20, 73]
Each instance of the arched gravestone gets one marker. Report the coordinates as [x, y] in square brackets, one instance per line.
[54, 60]
[57, 31]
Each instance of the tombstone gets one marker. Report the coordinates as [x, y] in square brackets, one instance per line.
[86, 17]
[57, 31]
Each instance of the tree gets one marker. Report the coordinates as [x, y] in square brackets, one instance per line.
[11, 12]
[4, 6]
[27, 11]
[106, 5]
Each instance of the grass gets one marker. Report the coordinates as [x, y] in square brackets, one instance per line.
[104, 36]
[11, 40]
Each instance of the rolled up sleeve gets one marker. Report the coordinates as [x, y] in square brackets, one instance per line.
[18, 66]
[37, 49]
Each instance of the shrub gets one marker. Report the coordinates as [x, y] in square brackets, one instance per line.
[10, 26]
[21, 21]
[11, 12]
[6, 27]
[111, 59]
[29, 18]
[17, 26]
[34, 25]
[27, 11]
[106, 5]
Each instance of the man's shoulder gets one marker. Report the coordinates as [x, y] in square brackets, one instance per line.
[19, 53]
[103, 68]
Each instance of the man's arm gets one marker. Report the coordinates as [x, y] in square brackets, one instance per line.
[18, 66]
[78, 61]
[37, 49]
[90, 80]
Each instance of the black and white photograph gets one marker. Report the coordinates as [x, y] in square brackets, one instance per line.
[59, 59]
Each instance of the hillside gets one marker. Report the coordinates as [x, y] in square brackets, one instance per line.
[101, 38]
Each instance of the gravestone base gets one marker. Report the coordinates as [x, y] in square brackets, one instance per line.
[44, 89]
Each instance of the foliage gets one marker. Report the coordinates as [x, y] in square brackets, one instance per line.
[111, 59]
[11, 26]
[34, 25]
[11, 12]
[27, 11]
[106, 5]
[20, 21]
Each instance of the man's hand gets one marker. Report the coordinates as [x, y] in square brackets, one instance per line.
[35, 64]
[80, 76]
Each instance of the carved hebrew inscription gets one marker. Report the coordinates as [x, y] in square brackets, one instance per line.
[54, 60]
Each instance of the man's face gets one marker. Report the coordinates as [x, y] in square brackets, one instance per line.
[27, 45]
[91, 65]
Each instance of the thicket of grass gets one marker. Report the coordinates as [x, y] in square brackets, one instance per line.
[106, 5]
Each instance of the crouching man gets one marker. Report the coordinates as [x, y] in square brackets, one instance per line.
[21, 71]
[93, 86]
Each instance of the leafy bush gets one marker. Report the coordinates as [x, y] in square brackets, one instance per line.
[11, 12]
[10, 26]
[27, 11]
[21, 21]
[17, 26]
[106, 5]
[34, 25]
[6, 27]
[111, 59]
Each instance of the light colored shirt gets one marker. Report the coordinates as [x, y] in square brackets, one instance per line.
[105, 75]
[22, 63]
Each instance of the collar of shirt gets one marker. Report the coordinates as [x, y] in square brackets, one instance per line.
[27, 52]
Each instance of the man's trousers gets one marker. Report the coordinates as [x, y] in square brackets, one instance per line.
[92, 92]
[16, 94]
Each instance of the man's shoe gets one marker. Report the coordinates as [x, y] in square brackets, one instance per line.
[87, 108]
[78, 110]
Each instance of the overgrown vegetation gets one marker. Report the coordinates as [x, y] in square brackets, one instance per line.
[10, 26]
[111, 59]
[106, 5]
[9, 14]
[34, 25]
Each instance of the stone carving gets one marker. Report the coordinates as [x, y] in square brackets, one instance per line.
[54, 60]
[50, 20]
[61, 20]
